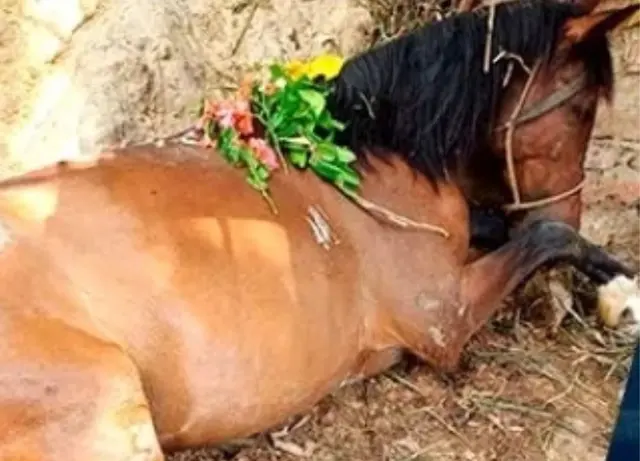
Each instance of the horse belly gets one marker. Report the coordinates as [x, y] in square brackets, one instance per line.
[222, 383]
[244, 333]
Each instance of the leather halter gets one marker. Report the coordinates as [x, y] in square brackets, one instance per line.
[520, 117]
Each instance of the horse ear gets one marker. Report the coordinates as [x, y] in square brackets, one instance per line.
[578, 29]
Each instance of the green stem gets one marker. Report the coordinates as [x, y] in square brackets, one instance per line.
[265, 194]
[271, 131]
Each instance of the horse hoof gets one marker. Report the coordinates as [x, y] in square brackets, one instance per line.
[617, 297]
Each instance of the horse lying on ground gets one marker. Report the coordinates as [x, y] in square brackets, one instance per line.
[150, 300]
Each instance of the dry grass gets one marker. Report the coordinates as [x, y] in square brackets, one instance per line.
[393, 18]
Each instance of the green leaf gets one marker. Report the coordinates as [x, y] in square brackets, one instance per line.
[344, 155]
[296, 141]
[225, 141]
[249, 160]
[262, 173]
[277, 120]
[327, 152]
[316, 101]
[256, 183]
[299, 157]
[277, 71]
[349, 179]
[234, 154]
[291, 97]
[303, 114]
[337, 124]
[326, 170]
[313, 137]
[308, 126]
[288, 130]
[327, 122]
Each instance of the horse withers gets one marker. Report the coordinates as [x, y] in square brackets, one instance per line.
[151, 301]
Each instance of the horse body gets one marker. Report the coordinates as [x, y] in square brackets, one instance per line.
[233, 317]
[148, 301]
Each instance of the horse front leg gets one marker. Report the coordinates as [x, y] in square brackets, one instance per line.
[486, 282]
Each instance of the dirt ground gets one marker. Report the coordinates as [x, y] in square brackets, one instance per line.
[526, 398]
[531, 388]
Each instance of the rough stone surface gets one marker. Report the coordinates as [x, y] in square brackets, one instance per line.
[81, 74]
[612, 193]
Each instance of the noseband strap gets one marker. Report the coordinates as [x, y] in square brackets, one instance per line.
[519, 117]
[522, 206]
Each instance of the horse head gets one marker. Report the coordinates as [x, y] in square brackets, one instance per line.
[547, 116]
[501, 101]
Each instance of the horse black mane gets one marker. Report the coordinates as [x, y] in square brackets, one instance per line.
[426, 95]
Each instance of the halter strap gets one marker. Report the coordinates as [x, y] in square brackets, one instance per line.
[519, 117]
[545, 201]
[553, 101]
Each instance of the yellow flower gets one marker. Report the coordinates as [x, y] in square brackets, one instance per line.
[295, 69]
[327, 65]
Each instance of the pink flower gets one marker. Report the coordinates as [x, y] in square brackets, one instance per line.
[222, 113]
[242, 106]
[233, 114]
[225, 118]
[243, 118]
[264, 153]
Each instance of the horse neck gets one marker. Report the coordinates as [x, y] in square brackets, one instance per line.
[394, 185]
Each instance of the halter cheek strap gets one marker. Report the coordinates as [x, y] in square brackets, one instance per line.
[520, 117]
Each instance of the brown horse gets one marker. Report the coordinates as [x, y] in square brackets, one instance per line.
[152, 301]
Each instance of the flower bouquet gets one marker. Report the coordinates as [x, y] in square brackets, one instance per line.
[279, 122]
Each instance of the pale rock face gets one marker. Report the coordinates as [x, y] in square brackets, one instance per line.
[80, 74]
[612, 193]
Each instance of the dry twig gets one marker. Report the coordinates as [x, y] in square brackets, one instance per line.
[428, 410]
[245, 28]
[391, 217]
[489, 40]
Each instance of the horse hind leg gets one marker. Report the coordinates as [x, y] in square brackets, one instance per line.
[67, 396]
